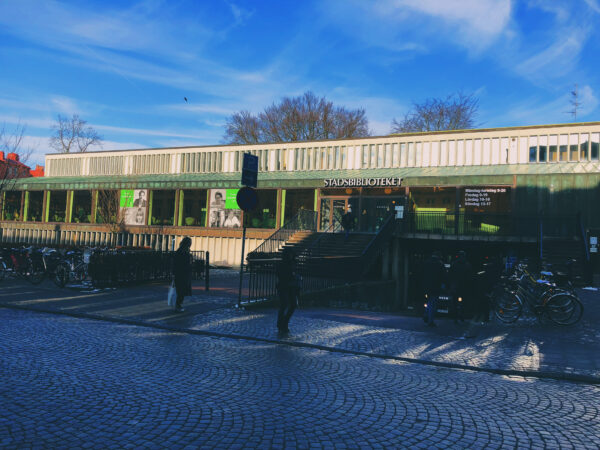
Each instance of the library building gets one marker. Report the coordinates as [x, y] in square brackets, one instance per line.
[500, 188]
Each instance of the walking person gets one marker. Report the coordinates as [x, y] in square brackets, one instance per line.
[347, 222]
[433, 276]
[182, 272]
[461, 285]
[288, 288]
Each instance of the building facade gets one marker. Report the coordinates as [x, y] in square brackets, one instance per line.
[154, 197]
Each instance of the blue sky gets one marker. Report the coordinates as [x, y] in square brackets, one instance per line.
[125, 67]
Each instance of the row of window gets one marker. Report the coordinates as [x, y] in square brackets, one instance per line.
[459, 152]
[197, 207]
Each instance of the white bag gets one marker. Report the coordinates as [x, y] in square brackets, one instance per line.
[172, 295]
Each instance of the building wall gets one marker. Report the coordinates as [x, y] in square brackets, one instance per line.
[522, 145]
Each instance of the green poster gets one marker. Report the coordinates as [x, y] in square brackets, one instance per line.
[230, 199]
[126, 198]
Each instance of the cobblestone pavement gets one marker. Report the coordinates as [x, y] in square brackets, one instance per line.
[69, 382]
[525, 346]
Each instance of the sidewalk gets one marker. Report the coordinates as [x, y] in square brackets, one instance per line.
[524, 348]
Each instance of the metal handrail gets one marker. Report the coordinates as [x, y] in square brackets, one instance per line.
[303, 220]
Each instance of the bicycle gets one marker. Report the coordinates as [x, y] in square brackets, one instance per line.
[541, 297]
[72, 268]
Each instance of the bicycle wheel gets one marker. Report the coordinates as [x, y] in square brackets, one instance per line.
[36, 274]
[61, 275]
[564, 309]
[507, 306]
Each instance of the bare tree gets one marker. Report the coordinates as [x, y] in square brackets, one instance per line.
[73, 135]
[108, 210]
[10, 169]
[303, 118]
[455, 112]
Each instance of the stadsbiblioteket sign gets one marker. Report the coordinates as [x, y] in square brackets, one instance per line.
[363, 182]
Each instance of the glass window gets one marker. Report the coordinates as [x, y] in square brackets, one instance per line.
[495, 151]
[163, 207]
[296, 200]
[595, 144]
[82, 207]
[194, 208]
[504, 150]
[469, 152]
[395, 155]
[573, 147]
[543, 149]
[264, 215]
[584, 147]
[373, 156]
[553, 148]
[58, 206]
[418, 154]
[107, 206]
[533, 149]
[11, 209]
[388, 156]
[563, 148]
[35, 206]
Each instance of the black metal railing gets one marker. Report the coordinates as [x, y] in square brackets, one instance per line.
[304, 220]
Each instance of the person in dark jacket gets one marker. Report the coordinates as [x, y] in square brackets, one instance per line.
[461, 281]
[288, 288]
[347, 222]
[182, 271]
[433, 276]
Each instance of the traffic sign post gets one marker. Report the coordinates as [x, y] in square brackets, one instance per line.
[249, 170]
[247, 200]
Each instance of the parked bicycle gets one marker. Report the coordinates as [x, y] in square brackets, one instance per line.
[541, 297]
[72, 269]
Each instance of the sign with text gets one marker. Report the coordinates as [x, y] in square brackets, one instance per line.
[486, 199]
[363, 182]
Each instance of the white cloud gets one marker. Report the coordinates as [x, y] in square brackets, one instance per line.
[555, 60]
[594, 5]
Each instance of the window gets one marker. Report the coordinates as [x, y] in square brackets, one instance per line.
[35, 206]
[444, 153]
[418, 154]
[573, 147]
[451, 153]
[477, 152]
[533, 149]
[264, 215]
[163, 207]
[107, 206]
[435, 154]
[82, 207]
[583, 147]
[553, 148]
[57, 206]
[594, 146]
[11, 209]
[426, 158]
[396, 155]
[193, 213]
[460, 153]
[563, 149]
[296, 200]
[365, 156]
[373, 155]
[543, 149]
[469, 152]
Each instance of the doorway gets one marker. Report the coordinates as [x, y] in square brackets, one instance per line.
[332, 209]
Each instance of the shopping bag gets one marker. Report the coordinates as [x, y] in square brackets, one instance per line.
[171, 296]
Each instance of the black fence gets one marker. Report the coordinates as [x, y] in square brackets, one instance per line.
[119, 267]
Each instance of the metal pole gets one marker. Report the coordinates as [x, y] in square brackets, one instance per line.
[207, 271]
[242, 267]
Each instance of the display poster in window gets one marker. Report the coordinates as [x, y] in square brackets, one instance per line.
[486, 199]
[224, 210]
[133, 203]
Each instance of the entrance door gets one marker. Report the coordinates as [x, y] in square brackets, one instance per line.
[332, 210]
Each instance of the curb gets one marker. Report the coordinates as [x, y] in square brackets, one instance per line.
[562, 376]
